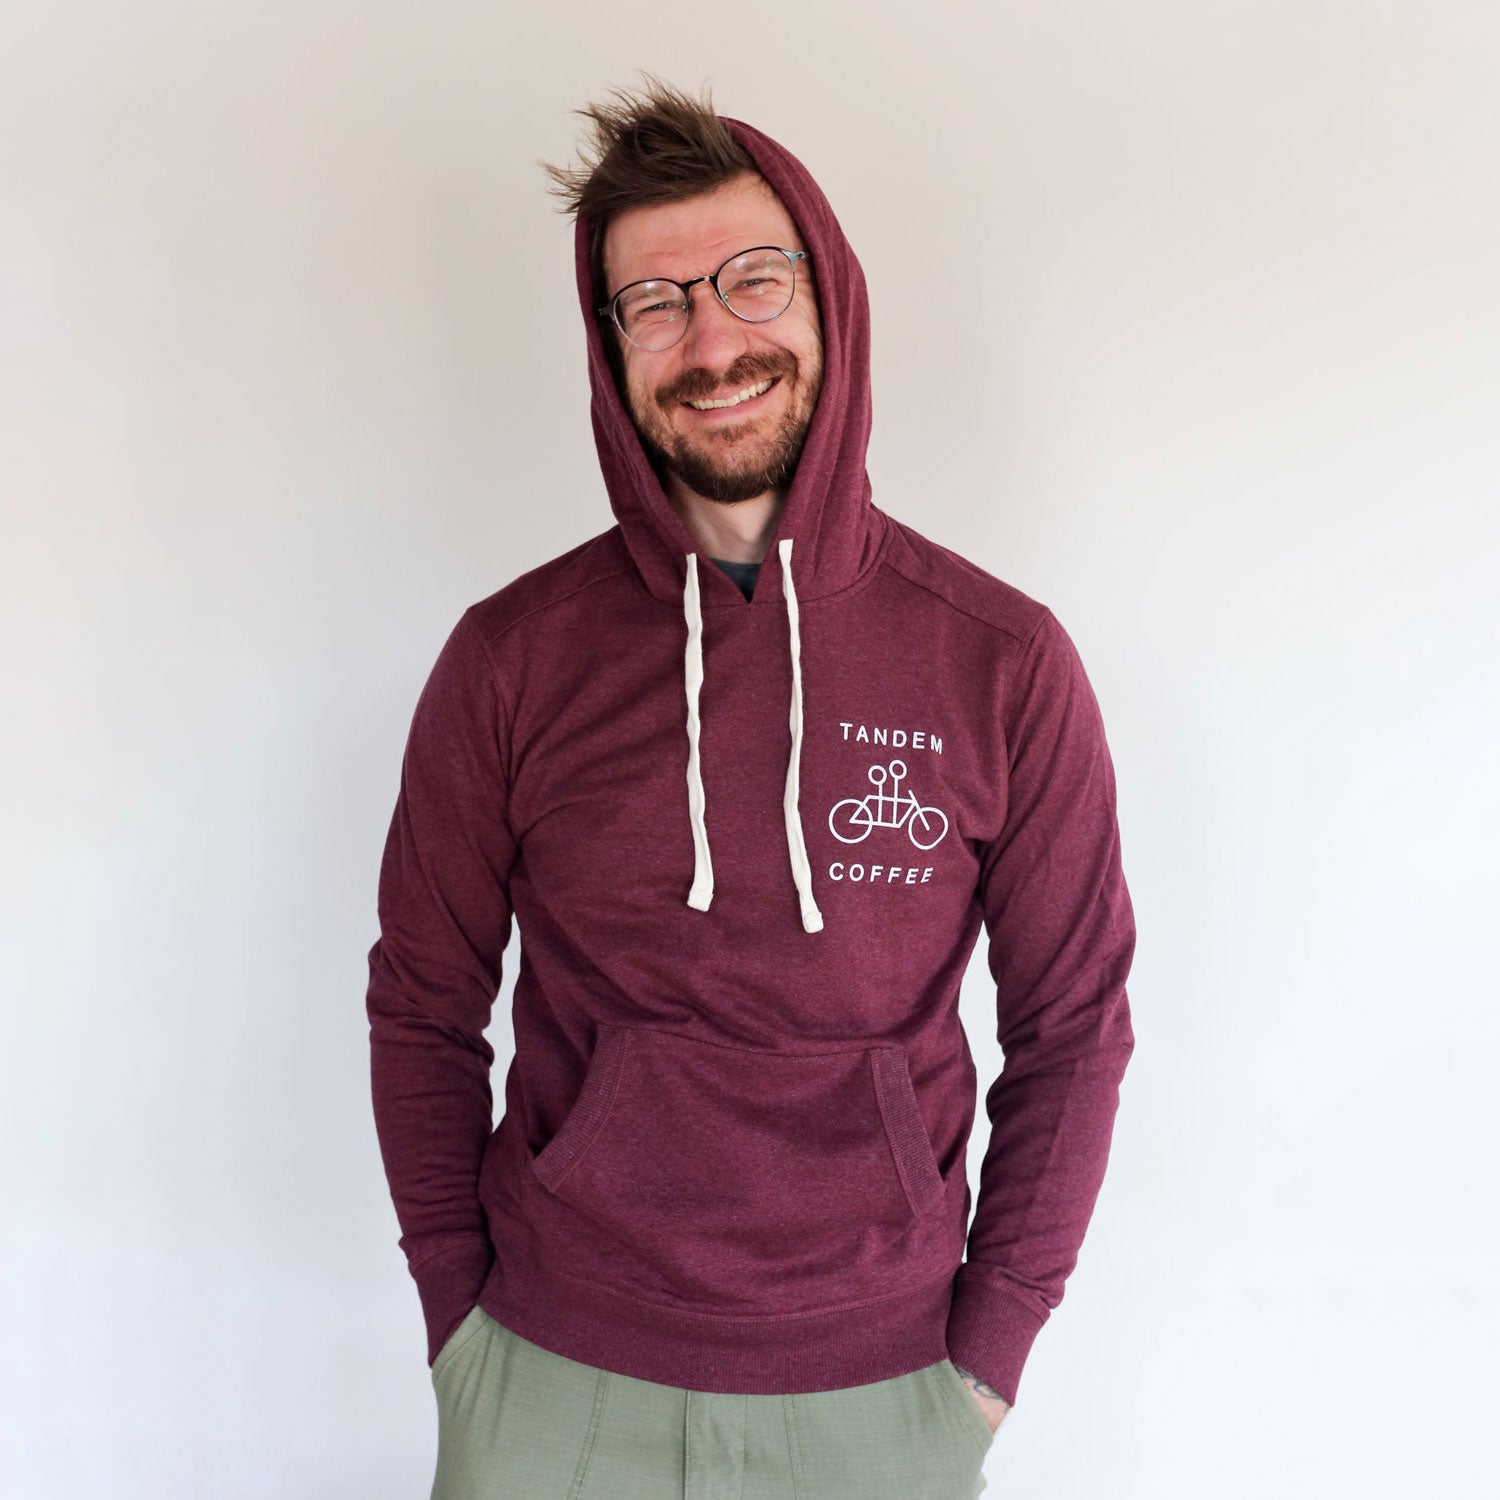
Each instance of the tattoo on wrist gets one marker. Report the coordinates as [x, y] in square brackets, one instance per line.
[979, 1385]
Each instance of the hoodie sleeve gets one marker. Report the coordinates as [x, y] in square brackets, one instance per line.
[1061, 938]
[445, 918]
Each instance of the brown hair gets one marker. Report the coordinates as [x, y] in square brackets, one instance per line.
[658, 146]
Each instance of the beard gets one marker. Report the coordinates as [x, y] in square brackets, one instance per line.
[733, 461]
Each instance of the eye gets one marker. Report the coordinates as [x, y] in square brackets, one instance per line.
[652, 302]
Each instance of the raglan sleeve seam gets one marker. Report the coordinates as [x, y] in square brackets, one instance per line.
[504, 697]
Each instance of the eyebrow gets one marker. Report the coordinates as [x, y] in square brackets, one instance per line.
[678, 280]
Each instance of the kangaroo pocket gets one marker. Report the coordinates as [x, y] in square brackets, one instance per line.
[743, 1181]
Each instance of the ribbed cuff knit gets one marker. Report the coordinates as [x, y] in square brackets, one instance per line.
[448, 1282]
[990, 1330]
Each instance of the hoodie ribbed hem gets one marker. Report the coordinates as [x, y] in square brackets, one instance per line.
[606, 1329]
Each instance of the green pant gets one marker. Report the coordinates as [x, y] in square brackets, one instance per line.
[518, 1422]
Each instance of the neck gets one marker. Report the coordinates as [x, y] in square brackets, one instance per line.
[737, 532]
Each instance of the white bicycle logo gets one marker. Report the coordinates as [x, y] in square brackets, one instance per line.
[851, 820]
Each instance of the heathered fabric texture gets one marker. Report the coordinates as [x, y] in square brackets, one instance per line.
[731, 1156]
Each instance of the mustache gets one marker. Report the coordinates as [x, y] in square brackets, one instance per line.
[700, 384]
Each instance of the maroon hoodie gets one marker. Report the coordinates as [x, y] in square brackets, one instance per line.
[749, 844]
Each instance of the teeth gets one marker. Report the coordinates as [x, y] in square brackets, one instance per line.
[745, 395]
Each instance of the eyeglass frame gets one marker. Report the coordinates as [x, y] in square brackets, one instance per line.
[685, 287]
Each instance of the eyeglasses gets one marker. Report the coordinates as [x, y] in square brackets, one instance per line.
[756, 285]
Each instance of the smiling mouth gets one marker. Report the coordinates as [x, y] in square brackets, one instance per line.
[747, 397]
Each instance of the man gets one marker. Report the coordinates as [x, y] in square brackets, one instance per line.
[749, 820]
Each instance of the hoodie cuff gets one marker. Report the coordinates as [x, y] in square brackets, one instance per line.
[990, 1330]
[448, 1282]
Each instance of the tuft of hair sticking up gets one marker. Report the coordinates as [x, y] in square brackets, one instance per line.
[657, 145]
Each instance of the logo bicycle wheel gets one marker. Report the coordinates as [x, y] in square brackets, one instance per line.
[933, 824]
[850, 821]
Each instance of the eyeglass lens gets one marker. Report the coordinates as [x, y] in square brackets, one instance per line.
[757, 286]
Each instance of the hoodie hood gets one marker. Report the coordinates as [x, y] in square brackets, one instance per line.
[829, 532]
[828, 512]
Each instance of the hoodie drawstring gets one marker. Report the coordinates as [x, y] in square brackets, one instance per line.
[702, 891]
[703, 866]
[812, 918]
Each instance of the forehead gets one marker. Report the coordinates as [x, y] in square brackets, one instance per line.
[692, 238]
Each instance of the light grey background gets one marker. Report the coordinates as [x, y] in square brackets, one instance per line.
[1185, 322]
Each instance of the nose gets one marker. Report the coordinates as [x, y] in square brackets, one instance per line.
[714, 337]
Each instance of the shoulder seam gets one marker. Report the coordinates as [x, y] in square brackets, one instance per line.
[916, 583]
[494, 666]
[1044, 619]
[537, 609]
